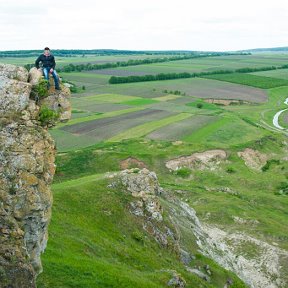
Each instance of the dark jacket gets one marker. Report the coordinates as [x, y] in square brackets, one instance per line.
[47, 61]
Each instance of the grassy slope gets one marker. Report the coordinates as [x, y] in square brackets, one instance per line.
[95, 242]
[257, 196]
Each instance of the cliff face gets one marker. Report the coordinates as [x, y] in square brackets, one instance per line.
[27, 154]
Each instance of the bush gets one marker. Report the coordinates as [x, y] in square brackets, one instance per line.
[73, 89]
[40, 90]
[282, 189]
[199, 105]
[183, 172]
[230, 170]
[266, 167]
[138, 236]
[47, 116]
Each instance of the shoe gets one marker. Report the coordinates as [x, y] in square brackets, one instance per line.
[58, 88]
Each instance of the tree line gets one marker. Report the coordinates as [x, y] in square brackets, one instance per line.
[170, 76]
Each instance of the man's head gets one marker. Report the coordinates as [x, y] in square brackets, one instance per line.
[46, 51]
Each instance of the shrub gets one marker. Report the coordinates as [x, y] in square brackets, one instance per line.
[230, 170]
[183, 172]
[138, 236]
[48, 116]
[199, 105]
[282, 189]
[73, 89]
[40, 90]
[266, 167]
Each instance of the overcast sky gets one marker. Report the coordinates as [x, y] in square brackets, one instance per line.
[218, 25]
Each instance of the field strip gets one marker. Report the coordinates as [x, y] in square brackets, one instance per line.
[97, 116]
[167, 97]
[108, 97]
[210, 128]
[146, 128]
[78, 181]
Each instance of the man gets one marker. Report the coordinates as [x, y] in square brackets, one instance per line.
[48, 63]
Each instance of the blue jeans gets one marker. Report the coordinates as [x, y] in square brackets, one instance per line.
[54, 74]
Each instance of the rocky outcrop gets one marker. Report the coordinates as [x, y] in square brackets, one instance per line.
[27, 154]
[144, 187]
[205, 160]
[253, 158]
[57, 101]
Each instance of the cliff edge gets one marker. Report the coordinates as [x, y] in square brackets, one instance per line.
[27, 154]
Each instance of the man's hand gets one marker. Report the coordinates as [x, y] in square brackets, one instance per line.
[51, 70]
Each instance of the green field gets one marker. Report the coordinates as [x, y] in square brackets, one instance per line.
[250, 80]
[280, 73]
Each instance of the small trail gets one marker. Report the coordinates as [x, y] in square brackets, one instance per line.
[277, 115]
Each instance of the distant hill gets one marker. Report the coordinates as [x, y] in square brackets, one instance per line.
[274, 49]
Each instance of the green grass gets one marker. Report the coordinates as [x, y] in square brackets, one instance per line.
[146, 128]
[283, 119]
[250, 80]
[167, 97]
[92, 243]
[256, 198]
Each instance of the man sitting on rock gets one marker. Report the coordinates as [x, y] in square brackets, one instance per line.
[48, 63]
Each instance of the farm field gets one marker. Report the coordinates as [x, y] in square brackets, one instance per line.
[250, 80]
[280, 73]
[200, 65]
[197, 87]
[103, 104]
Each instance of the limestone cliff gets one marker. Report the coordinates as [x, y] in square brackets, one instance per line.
[27, 154]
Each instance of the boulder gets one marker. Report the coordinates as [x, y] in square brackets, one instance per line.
[55, 100]
[210, 160]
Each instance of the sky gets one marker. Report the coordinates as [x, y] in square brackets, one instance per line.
[203, 25]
